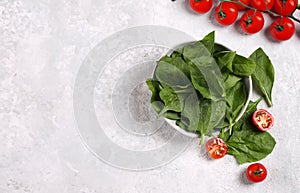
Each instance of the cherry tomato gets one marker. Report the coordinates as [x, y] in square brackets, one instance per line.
[201, 6]
[285, 7]
[262, 119]
[252, 21]
[216, 147]
[262, 5]
[241, 7]
[282, 29]
[256, 172]
[226, 13]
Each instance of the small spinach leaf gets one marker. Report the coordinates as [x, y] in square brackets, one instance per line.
[155, 88]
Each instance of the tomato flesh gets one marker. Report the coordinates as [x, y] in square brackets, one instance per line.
[216, 147]
[256, 172]
[262, 119]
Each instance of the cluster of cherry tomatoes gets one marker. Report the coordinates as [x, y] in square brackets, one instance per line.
[252, 20]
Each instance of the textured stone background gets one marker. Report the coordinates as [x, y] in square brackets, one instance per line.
[43, 43]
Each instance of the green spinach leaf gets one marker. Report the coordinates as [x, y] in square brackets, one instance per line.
[155, 88]
[209, 41]
[243, 66]
[263, 75]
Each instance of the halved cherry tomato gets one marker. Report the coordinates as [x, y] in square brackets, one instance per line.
[262, 119]
[226, 13]
[262, 5]
[201, 6]
[285, 7]
[282, 29]
[256, 172]
[241, 7]
[252, 21]
[216, 147]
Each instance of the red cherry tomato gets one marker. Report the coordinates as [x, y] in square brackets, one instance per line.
[262, 5]
[282, 29]
[252, 21]
[241, 7]
[216, 147]
[285, 7]
[262, 119]
[256, 172]
[201, 6]
[226, 13]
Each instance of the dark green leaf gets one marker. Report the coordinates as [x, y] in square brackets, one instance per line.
[195, 50]
[243, 66]
[263, 75]
[155, 88]
[171, 101]
[191, 111]
[226, 60]
[209, 41]
[231, 80]
[207, 78]
[249, 144]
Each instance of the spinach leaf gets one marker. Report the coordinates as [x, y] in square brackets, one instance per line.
[172, 115]
[155, 88]
[171, 101]
[243, 66]
[195, 50]
[226, 59]
[191, 111]
[209, 41]
[263, 75]
[247, 143]
[231, 80]
[219, 48]
[207, 78]
[183, 123]
[172, 72]
[236, 98]
[251, 108]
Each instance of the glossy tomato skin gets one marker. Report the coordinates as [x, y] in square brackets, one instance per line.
[285, 7]
[262, 119]
[201, 6]
[282, 29]
[216, 147]
[256, 172]
[226, 13]
[252, 21]
[240, 7]
[262, 5]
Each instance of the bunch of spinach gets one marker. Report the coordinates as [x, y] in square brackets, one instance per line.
[201, 86]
